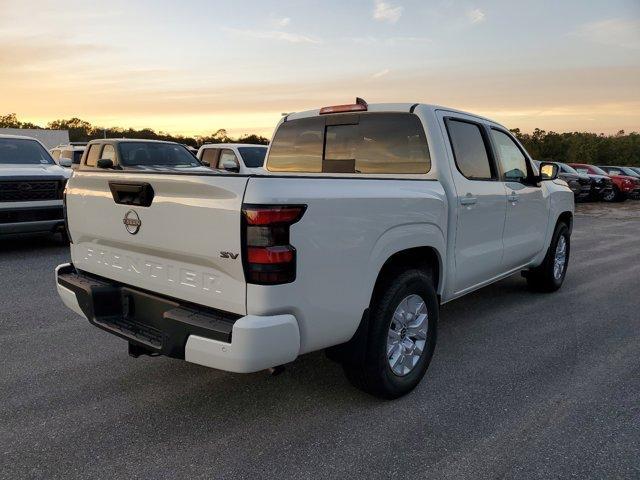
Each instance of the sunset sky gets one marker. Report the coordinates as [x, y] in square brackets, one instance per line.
[195, 66]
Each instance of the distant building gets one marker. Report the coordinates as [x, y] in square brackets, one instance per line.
[50, 138]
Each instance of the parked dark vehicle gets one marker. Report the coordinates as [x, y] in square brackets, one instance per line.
[625, 172]
[620, 186]
[579, 183]
[601, 186]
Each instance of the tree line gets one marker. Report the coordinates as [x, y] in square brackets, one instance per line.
[582, 147]
[579, 147]
[83, 131]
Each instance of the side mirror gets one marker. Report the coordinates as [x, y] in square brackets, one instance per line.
[64, 162]
[549, 171]
[105, 163]
[205, 163]
[230, 166]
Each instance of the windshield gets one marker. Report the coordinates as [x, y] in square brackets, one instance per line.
[152, 154]
[598, 170]
[23, 151]
[77, 155]
[568, 169]
[628, 171]
[253, 157]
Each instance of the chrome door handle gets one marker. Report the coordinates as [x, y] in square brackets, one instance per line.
[468, 200]
[513, 197]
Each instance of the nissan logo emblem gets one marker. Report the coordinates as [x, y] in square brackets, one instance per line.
[132, 222]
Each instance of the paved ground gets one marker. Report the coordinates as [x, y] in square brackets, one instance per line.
[522, 385]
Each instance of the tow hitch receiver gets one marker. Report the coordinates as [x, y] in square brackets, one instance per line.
[136, 350]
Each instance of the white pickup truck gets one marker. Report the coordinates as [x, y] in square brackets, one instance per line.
[233, 157]
[368, 218]
[31, 188]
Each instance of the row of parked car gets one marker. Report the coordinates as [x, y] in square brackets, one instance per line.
[32, 179]
[601, 182]
[232, 157]
[588, 182]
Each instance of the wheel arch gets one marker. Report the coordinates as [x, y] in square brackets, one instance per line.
[565, 217]
[426, 258]
[422, 244]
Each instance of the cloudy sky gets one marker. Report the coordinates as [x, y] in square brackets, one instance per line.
[198, 65]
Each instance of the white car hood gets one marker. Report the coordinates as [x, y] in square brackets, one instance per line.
[21, 170]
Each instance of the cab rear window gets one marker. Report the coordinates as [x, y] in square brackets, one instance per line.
[371, 143]
[151, 154]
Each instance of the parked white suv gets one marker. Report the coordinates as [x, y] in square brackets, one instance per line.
[370, 217]
[233, 157]
[31, 187]
[68, 155]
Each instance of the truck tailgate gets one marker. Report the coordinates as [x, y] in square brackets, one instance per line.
[185, 244]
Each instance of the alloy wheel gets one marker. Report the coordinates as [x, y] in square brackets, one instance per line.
[407, 335]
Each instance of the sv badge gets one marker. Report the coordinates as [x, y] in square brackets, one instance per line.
[230, 255]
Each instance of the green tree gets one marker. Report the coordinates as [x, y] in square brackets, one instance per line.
[79, 130]
[255, 139]
[11, 121]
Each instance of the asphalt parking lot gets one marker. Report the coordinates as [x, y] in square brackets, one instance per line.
[522, 385]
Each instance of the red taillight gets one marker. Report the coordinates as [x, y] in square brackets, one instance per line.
[268, 257]
[271, 215]
[359, 106]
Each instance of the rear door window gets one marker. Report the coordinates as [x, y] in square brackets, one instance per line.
[93, 155]
[109, 152]
[373, 143]
[470, 150]
[210, 156]
[227, 156]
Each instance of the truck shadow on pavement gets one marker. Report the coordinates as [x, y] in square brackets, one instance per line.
[37, 244]
[311, 382]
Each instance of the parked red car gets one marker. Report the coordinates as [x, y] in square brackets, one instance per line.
[623, 186]
[625, 172]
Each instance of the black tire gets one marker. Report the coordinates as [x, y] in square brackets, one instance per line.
[542, 278]
[370, 370]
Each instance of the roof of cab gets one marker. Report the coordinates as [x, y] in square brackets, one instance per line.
[232, 145]
[125, 140]
[391, 107]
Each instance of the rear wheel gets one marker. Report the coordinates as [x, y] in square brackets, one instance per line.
[549, 276]
[610, 195]
[400, 339]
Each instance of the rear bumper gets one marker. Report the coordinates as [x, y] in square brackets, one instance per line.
[164, 326]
